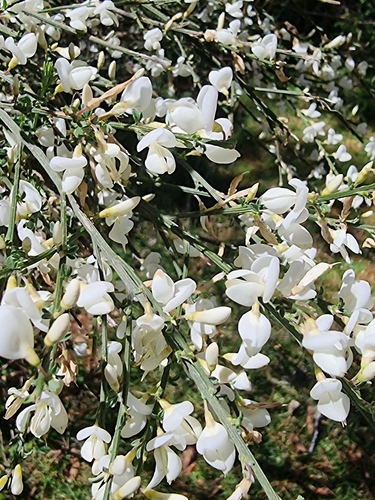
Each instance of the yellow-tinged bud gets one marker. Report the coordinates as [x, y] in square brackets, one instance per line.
[121, 209]
[13, 63]
[31, 357]
[366, 373]
[58, 330]
[101, 60]
[17, 484]
[333, 185]
[3, 481]
[212, 356]
[364, 173]
[176, 17]
[156, 495]
[252, 192]
[59, 89]
[71, 294]
[11, 283]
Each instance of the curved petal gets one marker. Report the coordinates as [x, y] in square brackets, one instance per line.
[221, 156]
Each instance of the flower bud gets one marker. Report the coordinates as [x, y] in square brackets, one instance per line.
[112, 70]
[71, 294]
[363, 174]
[58, 330]
[333, 185]
[121, 209]
[110, 374]
[57, 233]
[17, 484]
[366, 373]
[3, 481]
[101, 60]
[86, 94]
[252, 192]
[212, 356]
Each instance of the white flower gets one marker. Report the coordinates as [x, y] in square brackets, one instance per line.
[234, 9]
[152, 39]
[17, 336]
[229, 36]
[137, 415]
[159, 159]
[342, 239]
[78, 17]
[311, 111]
[221, 79]
[280, 200]
[255, 330]
[107, 18]
[215, 446]
[332, 403]
[329, 347]
[167, 463]
[137, 95]
[333, 138]
[265, 48]
[342, 155]
[370, 148]
[95, 447]
[73, 169]
[170, 294]
[205, 317]
[25, 49]
[49, 412]
[245, 286]
[95, 299]
[75, 75]
[31, 199]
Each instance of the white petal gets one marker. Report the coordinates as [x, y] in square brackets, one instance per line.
[182, 291]
[214, 316]
[335, 406]
[80, 76]
[162, 287]
[221, 156]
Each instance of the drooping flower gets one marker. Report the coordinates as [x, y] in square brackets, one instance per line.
[159, 159]
[215, 446]
[95, 446]
[332, 403]
[17, 336]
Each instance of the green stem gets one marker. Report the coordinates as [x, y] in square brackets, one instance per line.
[13, 204]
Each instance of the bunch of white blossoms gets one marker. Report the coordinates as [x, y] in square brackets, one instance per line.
[75, 223]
